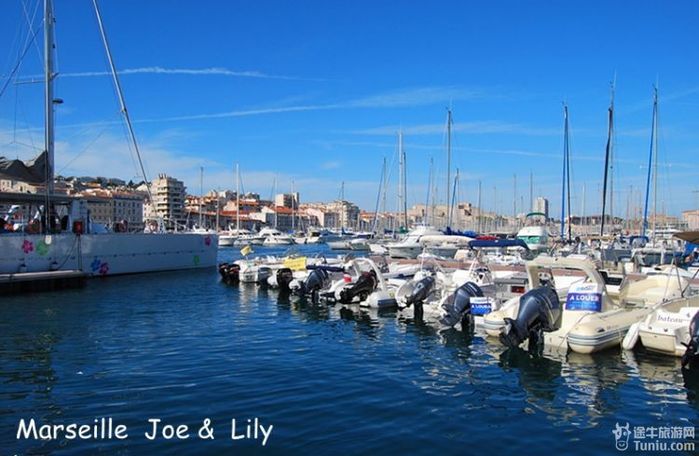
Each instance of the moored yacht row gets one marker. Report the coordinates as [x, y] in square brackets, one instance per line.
[573, 302]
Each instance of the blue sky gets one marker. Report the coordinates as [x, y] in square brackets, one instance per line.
[314, 92]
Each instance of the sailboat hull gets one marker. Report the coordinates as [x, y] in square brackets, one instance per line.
[107, 254]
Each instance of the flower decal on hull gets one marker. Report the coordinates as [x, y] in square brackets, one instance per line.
[27, 246]
[99, 267]
[42, 248]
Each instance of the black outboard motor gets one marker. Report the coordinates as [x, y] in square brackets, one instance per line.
[223, 270]
[539, 311]
[457, 307]
[362, 287]
[421, 292]
[230, 273]
[691, 355]
[317, 280]
[284, 278]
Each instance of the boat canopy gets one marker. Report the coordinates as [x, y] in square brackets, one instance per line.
[690, 236]
[483, 243]
[450, 232]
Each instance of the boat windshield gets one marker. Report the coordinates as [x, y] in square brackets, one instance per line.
[530, 239]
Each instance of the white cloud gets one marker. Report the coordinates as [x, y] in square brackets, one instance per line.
[475, 127]
[330, 165]
[211, 71]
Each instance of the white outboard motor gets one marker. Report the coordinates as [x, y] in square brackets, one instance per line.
[539, 311]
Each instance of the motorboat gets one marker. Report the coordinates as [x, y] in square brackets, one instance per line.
[260, 269]
[410, 247]
[673, 328]
[232, 236]
[355, 241]
[448, 297]
[670, 330]
[583, 316]
[363, 283]
[273, 236]
[536, 237]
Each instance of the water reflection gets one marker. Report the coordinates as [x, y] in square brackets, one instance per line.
[373, 380]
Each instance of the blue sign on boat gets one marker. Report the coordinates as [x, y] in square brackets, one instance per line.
[584, 301]
[480, 306]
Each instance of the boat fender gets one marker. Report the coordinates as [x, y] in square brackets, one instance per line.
[631, 337]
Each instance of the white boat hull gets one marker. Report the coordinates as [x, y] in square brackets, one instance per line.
[107, 254]
[227, 241]
[409, 252]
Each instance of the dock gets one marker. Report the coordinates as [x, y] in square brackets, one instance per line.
[41, 281]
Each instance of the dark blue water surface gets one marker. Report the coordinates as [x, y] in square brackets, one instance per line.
[184, 347]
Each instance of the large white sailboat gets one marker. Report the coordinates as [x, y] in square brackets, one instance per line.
[75, 246]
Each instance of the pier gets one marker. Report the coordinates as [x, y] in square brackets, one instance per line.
[41, 281]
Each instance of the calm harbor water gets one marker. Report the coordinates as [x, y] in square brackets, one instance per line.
[183, 347]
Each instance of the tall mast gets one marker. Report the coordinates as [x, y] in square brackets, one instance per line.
[426, 219]
[375, 222]
[342, 206]
[455, 197]
[383, 197]
[565, 169]
[122, 101]
[218, 210]
[405, 183]
[293, 204]
[237, 198]
[531, 191]
[607, 156]
[514, 198]
[570, 221]
[495, 207]
[478, 224]
[582, 210]
[201, 194]
[274, 202]
[653, 144]
[49, 46]
[655, 170]
[449, 122]
[611, 162]
[402, 203]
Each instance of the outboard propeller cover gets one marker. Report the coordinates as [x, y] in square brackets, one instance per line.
[458, 305]
[230, 272]
[316, 280]
[421, 292]
[539, 311]
[691, 355]
[222, 268]
[362, 288]
[284, 278]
